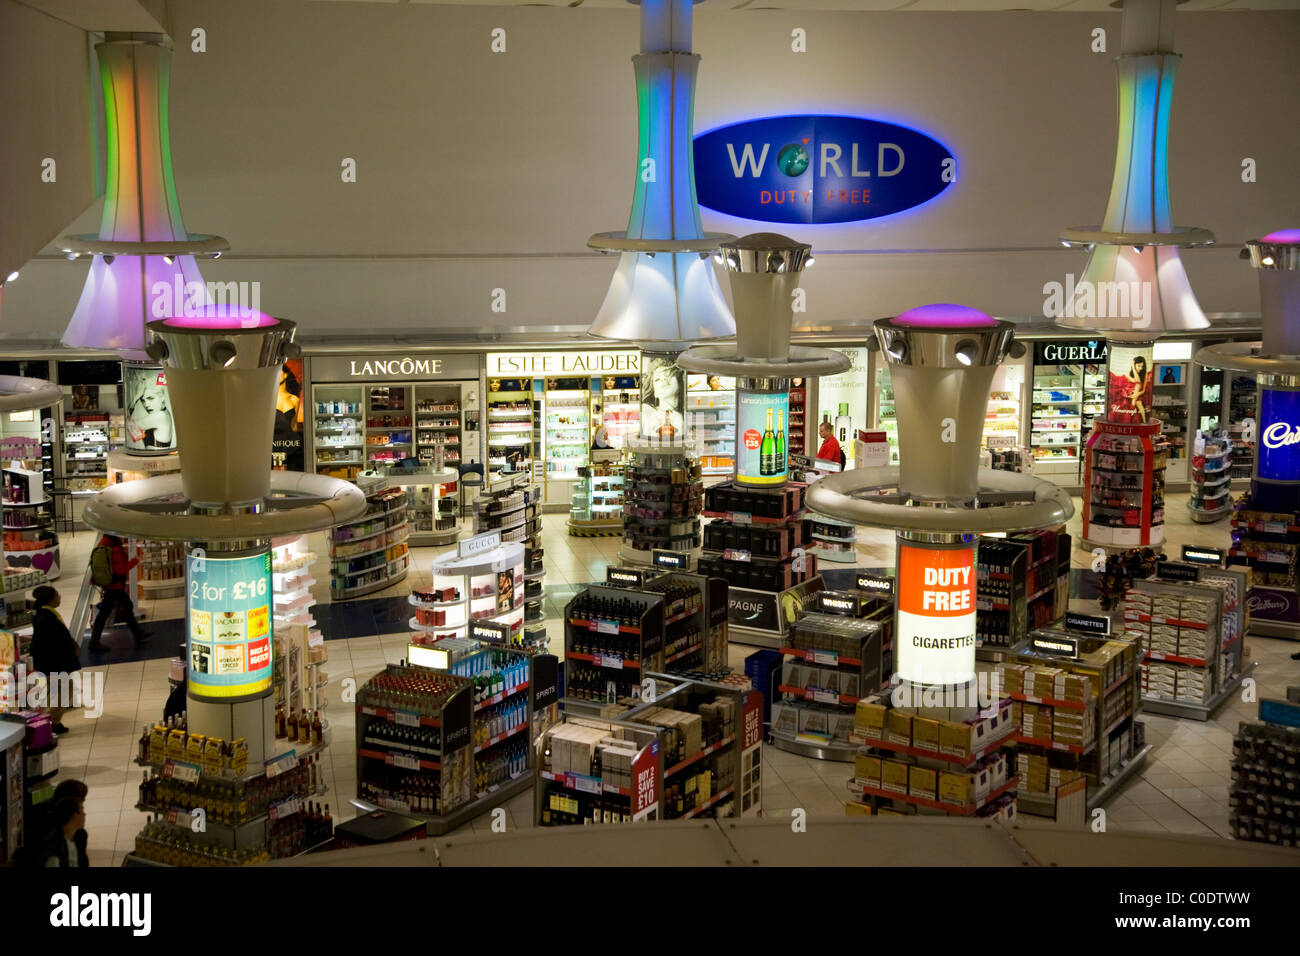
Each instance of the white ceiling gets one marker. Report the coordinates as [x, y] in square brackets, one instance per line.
[964, 6]
[126, 15]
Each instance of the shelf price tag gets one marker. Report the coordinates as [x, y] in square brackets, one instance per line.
[740, 517]
[1274, 527]
[603, 627]
[285, 808]
[735, 554]
[829, 658]
[176, 815]
[406, 718]
[983, 604]
[281, 764]
[605, 660]
[405, 762]
[186, 772]
[822, 696]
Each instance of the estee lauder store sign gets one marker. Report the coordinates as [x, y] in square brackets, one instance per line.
[608, 362]
[393, 367]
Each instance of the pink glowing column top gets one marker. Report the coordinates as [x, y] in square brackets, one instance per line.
[220, 318]
[942, 316]
[1283, 237]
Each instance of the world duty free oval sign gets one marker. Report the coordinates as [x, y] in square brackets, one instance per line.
[818, 169]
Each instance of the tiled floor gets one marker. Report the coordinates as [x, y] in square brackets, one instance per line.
[1182, 789]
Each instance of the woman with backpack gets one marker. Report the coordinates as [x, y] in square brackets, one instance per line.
[110, 568]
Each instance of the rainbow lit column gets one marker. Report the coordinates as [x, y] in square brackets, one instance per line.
[1268, 518]
[1134, 288]
[665, 293]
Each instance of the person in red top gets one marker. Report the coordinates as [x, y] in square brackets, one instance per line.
[830, 449]
[115, 593]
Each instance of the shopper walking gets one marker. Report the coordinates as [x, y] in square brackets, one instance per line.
[65, 847]
[110, 568]
[830, 448]
[53, 649]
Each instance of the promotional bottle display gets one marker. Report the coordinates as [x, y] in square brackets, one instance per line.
[843, 425]
[761, 457]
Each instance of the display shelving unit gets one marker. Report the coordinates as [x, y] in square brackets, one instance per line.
[797, 436]
[1074, 720]
[604, 659]
[831, 663]
[510, 426]
[598, 499]
[616, 405]
[711, 422]
[1190, 667]
[432, 504]
[472, 585]
[390, 426]
[1056, 422]
[338, 430]
[663, 493]
[836, 539]
[1002, 419]
[438, 423]
[1211, 466]
[1262, 798]
[1094, 395]
[886, 418]
[1169, 406]
[297, 678]
[369, 553]
[1019, 583]
[510, 506]
[1124, 478]
[1243, 399]
[960, 770]
[568, 429]
[415, 745]
[30, 542]
[1268, 542]
[691, 749]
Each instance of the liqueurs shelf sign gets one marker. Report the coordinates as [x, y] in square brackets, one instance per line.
[819, 169]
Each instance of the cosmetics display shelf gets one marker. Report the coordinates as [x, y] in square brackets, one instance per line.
[761, 543]
[567, 428]
[338, 430]
[1191, 634]
[477, 583]
[906, 763]
[711, 423]
[1022, 580]
[598, 500]
[1124, 485]
[616, 407]
[357, 566]
[1002, 418]
[390, 425]
[1211, 477]
[87, 438]
[1074, 718]
[1056, 421]
[833, 661]
[510, 427]
[886, 418]
[1243, 407]
[432, 504]
[300, 650]
[511, 506]
[687, 748]
[663, 495]
[438, 425]
[30, 542]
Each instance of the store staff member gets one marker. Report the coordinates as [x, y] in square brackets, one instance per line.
[830, 449]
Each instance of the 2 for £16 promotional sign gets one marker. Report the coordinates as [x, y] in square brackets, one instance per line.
[229, 605]
[936, 614]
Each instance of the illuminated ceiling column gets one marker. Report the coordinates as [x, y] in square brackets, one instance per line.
[1137, 241]
[664, 291]
[143, 258]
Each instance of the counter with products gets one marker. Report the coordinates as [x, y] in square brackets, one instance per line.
[1211, 472]
[30, 542]
[432, 503]
[509, 426]
[369, 553]
[664, 495]
[711, 422]
[598, 500]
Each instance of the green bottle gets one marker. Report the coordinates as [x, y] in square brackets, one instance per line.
[780, 441]
[767, 449]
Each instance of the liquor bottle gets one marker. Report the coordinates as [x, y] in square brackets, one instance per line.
[780, 440]
[279, 720]
[767, 449]
[304, 728]
[843, 423]
[318, 730]
[291, 725]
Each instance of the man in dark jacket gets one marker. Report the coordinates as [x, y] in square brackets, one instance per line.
[53, 649]
[65, 847]
[115, 593]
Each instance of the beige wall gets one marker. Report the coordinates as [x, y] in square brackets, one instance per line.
[479, 171]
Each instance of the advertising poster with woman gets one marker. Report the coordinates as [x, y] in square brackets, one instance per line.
[149, 426]
[287, 451]
[1131, 385]
[662, 400]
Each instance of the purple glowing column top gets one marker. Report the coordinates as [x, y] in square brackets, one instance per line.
[1283, 237]
[944, 316]
[220, 318]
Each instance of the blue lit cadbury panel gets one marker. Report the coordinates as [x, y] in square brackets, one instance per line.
[817, 169]
[1279, 434]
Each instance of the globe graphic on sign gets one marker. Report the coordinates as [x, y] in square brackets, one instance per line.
[792, 160]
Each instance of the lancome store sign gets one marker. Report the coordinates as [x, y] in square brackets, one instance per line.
[609, 362]
[394, 367]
